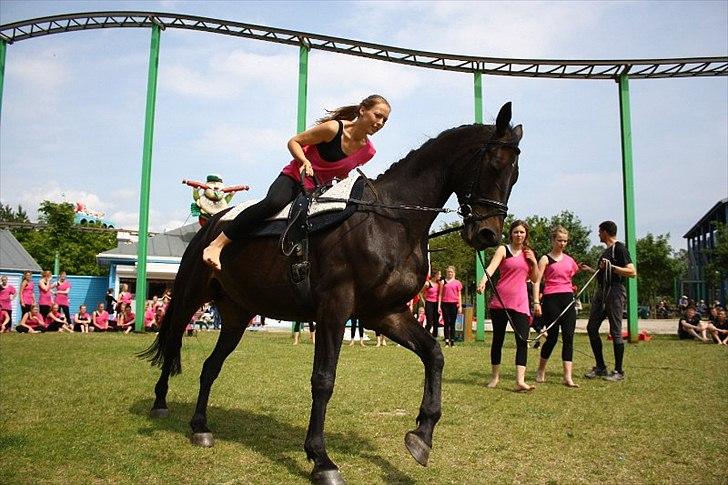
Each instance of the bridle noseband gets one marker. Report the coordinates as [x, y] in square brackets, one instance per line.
[467, 201]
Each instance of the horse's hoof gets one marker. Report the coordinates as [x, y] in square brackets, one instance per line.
[202, 439]
[327, 477]
[159, 413]
[417, 447]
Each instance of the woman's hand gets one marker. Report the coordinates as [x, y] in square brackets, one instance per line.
[481, 288]
[308, 168]
[537, 310]
[530, 257]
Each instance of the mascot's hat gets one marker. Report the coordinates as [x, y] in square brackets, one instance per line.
[214, 178]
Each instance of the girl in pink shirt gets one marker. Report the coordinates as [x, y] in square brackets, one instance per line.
[7, 295]
[56, 320]
[82, 320]
[517, 264]
[336, 145]
[5, 322]
[432, 299]
[450, 303]
[100, 319]
[32, 321]
[46, 298]
[557, 270]
[27, 296]
[63, 288]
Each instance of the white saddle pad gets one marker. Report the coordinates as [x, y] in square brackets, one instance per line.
[340, 190]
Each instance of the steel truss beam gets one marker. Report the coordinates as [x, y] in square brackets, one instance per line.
[543, 68]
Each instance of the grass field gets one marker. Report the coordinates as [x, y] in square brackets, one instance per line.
[74, 409]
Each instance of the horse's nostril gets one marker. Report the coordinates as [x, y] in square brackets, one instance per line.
[486, 236]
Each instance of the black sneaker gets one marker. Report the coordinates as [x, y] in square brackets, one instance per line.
[614, 376]
[596, 372]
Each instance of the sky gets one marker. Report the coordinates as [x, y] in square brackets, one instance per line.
[73, 105]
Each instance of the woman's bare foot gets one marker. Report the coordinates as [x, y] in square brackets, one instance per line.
[493, 383]
[540, 376]
[211, 254]
[570, 383]
[523, 387]
[361, 342]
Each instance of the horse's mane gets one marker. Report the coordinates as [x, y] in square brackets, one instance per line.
[416, 152]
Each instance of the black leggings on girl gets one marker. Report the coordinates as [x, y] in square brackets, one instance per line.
[282, 191]
[355, 322]
[432, 316]
[552, 306]
[449, 315]
[500, 321]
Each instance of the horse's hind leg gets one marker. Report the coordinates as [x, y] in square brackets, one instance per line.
[404, 329]
[235, 320]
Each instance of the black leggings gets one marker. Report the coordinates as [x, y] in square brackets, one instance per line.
[354, 323]
[432, 316]
[44, 310]
[282, 191]
[500, 321]
[297, 326]
[552, 306]
[449, 315]
[66, 312]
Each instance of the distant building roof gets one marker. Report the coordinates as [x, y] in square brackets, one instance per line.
[171, 244]
[719, 212]
[13, 256]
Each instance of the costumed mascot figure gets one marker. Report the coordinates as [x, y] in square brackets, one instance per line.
[211, 197]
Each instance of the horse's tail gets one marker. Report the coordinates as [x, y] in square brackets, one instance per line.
[189, 291]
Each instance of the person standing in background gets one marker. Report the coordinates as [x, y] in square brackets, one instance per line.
[7, 295]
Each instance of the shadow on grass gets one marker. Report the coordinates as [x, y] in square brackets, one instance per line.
[266, 435]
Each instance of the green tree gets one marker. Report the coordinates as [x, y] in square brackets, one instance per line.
[77, 249]
[657, 267]
[7, 214]
[451, 250]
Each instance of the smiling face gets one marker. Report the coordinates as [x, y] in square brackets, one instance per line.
[373, 119]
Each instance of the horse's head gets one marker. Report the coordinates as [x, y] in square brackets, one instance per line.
[485, 183]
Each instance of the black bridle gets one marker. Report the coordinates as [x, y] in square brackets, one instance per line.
[468, 200]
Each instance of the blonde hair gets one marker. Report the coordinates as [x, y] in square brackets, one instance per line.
[351, 112]
[558, 229]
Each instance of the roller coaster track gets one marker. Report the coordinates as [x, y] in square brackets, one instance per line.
[543, 68]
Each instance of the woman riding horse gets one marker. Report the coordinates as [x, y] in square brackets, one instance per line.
[331, 149]
[368, 267]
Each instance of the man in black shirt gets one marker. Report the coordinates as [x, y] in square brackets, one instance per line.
[615, 265]
[689, 326]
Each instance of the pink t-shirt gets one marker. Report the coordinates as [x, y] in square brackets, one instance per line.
[57, 315]
[125, 297]
[326, 171]
[102, 319]
[431, 293]
[27, 297]
[451, 291]
[45, 295]
[558, 275]
[148, 317]
[82, 316]
[6, 295]
[35, 321]
[129, 318]
[511, 285]
[62, 298]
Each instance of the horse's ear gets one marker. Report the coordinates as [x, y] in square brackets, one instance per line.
[518, 132]
[503, 121]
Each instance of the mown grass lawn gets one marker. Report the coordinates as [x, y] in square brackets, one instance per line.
[73, 408]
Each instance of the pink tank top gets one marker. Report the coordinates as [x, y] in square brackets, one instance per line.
[45, 295]
[451, 291]
[558, 275]
[26, 297]
[431, 293]
[34, 321]
[61, 298]
[511, 285]
[125, 297]
[102, 319]
[6, 295]
[325, 171]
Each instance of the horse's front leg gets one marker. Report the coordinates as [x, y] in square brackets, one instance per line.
[403, 328]
[329, 333]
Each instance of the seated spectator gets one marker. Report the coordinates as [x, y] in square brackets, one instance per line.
[56, 320]
[148, 315]
[81, 320]
[126, 319]
[5, 321]
[32, 321]
[421, 318]
[719, 329]
[100, 319]
[690, 326]
[156, 322]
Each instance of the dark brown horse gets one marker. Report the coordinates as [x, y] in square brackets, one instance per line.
[479, 163]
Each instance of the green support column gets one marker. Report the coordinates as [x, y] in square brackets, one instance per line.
[628, 190]
[3, 46]
[141, 280]
[302, 96]
[479, 299]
